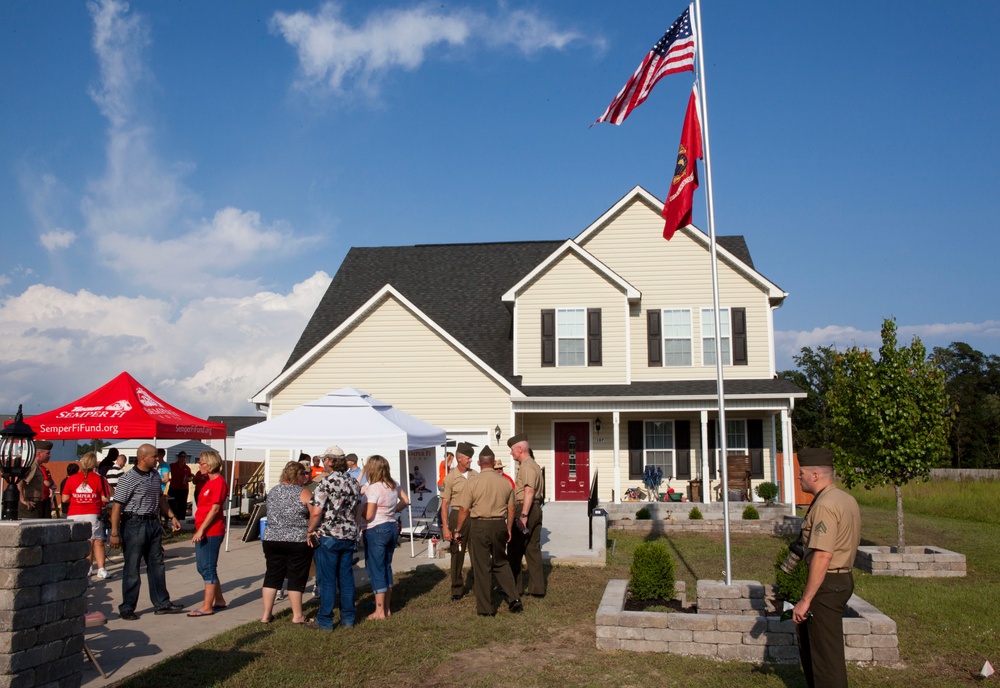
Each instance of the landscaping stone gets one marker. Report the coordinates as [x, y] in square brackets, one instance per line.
[747, 634]
[912, 562]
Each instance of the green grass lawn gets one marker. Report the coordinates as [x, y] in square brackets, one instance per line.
[946, 626]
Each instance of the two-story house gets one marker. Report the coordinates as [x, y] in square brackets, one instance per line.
[600, 347]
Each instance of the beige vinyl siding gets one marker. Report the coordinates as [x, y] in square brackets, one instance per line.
[678, 274]
[397, 358]
[571, 283]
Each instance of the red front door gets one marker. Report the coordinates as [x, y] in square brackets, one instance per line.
[572, 442]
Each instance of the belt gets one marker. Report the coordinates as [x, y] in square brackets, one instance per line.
[148, 517]
[844, 570]
[496, 518]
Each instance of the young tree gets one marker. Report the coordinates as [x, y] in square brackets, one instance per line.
[890, 417]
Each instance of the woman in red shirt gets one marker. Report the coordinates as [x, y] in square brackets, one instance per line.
[210, 529]
[86, 493]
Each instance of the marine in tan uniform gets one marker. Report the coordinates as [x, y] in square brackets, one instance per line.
[489, 501]
[529, 494]
[831, 534]
[455, 483]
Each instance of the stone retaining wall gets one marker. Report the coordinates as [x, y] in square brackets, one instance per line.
[737, 629]
[787, 526]
[912, 562]
[43, 584]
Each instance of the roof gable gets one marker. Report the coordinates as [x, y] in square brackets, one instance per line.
[570, 247]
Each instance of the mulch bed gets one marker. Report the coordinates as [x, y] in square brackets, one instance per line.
[645, 605]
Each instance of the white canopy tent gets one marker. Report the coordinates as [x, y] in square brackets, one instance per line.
[351, 419]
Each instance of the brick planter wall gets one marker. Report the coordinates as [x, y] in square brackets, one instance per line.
[43, 584]
[787, 526]
[737, 628]
[912, 562]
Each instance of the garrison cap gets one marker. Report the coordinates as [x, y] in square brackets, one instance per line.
[486, 452]
[43, 444]
[519, 437]
[815, 457]
[465, 449]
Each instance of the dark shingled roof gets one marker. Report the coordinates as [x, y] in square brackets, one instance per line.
[458, 286]
[234, 423]
[675, 388]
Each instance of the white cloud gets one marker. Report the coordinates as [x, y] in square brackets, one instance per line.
[57, 238]
[207, 357]
[139, 213]
[983, 335]
[335, 55]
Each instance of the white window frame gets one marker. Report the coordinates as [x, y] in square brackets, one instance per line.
[665, 338]
[708, 335]
[582, 338]
[736, 427]
[670, 465]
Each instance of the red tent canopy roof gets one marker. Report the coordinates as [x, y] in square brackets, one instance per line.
[122, 409]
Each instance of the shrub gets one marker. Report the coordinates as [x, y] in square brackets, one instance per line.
[789, 586]
[767, 491]
[643, 514]
[651, 576]
[695, 514]
[750, 513]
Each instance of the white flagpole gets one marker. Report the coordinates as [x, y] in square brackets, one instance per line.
[715, 288]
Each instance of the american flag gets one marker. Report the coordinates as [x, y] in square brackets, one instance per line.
[673, 53]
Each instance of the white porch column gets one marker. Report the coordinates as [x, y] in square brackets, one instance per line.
[705, 477]
[774, 451]
[616, 438]
[787, 451]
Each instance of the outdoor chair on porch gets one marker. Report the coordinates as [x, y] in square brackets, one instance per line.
[738, 470]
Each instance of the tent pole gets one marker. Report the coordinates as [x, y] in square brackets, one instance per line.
[232, 482]
[409, 507]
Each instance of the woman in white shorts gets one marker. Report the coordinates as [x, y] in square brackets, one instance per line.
[86, 493]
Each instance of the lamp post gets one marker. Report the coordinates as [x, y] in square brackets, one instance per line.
[17, 454]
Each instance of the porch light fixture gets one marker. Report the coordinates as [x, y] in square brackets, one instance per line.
[597, 425]
[17, 454]
[496, 433]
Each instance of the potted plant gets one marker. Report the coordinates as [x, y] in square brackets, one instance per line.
[767, 491]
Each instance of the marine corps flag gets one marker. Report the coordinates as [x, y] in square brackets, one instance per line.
[677, 208]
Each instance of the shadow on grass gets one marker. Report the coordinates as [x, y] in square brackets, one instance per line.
[789, 674]
[406, 587]
[200, 666]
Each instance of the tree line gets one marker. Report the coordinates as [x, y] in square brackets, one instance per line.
[971, 382]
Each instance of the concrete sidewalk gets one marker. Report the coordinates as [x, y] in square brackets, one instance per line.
[126, 647]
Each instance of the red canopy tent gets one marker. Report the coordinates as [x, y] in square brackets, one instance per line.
[122, 409]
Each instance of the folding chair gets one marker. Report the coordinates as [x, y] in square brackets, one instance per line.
[428, 523]
[91, 620]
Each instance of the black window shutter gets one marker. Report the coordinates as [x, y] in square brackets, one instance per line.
[682, 448]
[755, 442]
[635, 441]
[654, 342]
[739, 317]
[548, 337]
[713, 444]
[594, 336]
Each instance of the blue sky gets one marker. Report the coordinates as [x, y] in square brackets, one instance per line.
[179, 181]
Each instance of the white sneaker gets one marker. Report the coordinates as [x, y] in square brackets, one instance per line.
[103, 573]
[91, 571]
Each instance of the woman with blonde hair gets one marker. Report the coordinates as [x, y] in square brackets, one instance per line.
[382, 499]
[210, 529]
[86, 493]
[286, 551]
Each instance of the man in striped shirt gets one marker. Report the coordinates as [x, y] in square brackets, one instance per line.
[135, 526]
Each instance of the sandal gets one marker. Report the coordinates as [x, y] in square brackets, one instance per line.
[198, 612]
[269, 619]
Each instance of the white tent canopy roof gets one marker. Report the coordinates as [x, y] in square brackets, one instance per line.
[347, 417]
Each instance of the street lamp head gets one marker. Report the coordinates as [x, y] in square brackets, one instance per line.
[17, 454]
